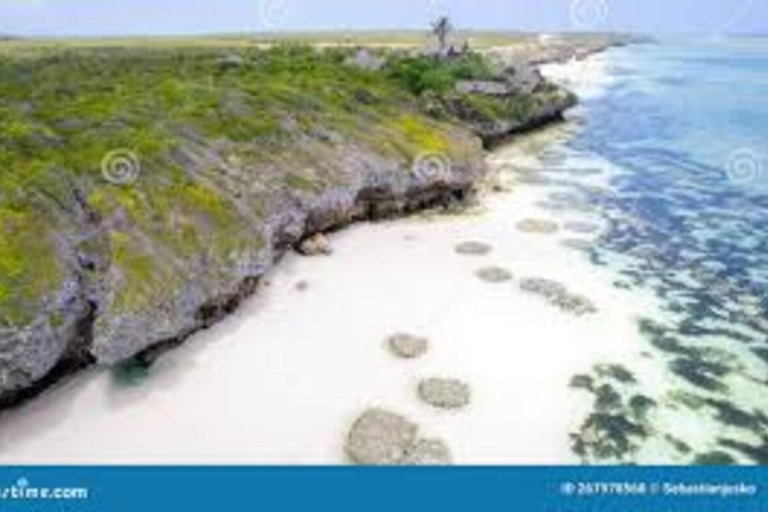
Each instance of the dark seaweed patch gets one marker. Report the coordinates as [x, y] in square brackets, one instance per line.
[678, 445]
[607, 398]
[607, 436]
[676, 228]
[731, 415]
[641, 405]
[700, 373]
[762, 353]
[582, 382]
[758, 454]
[616, 372]
[715, 458]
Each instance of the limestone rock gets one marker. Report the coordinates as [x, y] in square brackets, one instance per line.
[380, 437]
[407, 346]
[494, 275]
[537, 226]
[473, 249]
[315, 246]
[364, 59]
[485, 87]
[524, 79]
[429, 452]
[445, 393]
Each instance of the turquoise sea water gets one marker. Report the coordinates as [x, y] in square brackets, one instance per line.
[687, 125]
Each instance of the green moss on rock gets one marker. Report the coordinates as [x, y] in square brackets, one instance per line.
[29, 268]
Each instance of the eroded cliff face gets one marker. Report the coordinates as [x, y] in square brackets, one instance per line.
[144, 196]
[153, 262]
[196, 262]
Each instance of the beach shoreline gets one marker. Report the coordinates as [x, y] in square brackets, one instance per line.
[311, 369]
[105, 312]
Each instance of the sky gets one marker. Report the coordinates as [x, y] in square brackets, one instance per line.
[171, 17]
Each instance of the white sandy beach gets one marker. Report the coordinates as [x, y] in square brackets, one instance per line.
[281, 381]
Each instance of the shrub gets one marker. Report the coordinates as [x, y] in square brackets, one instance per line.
[427, 73]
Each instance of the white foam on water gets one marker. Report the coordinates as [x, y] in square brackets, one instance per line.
[588, 78]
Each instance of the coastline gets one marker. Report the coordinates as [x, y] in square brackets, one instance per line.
[90, 333]
[471, 324]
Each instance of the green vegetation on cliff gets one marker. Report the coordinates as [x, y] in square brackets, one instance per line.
[425, 73]
[145, 189]
[189, 116]
[515, 101]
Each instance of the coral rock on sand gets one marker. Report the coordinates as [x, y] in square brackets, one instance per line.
[445, 393]
[544, 227]
[407, 346]
[380, 437]
[473, 249]
[429, 452]
[558, 295]
[494, 275]
[316, 245]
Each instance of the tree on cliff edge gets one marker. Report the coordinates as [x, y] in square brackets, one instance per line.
[441, 29]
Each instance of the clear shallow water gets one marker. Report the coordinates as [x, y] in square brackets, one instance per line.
[686, 125]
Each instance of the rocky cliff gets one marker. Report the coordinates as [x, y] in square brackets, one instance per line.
[145, 193]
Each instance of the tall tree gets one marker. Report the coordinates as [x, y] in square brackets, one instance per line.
[441, 29]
